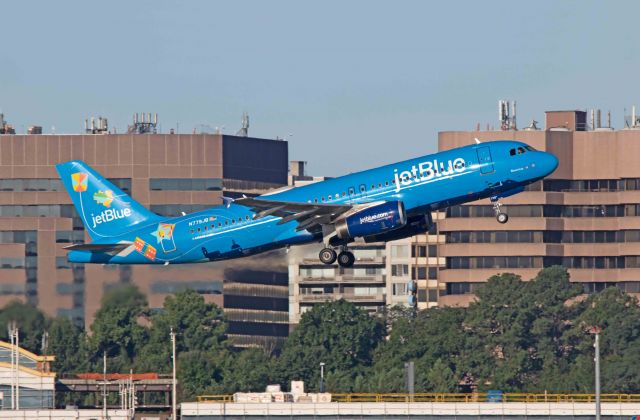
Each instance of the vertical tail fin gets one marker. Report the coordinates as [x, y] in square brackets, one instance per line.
[106, 211]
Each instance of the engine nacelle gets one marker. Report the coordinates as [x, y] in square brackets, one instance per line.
[372, 221]
[415, 225]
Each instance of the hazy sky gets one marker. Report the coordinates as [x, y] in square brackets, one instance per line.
[355, 83]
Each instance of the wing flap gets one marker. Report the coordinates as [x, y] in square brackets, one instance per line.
[99, 247]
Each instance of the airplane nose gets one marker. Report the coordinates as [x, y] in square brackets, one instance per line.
[549, 163]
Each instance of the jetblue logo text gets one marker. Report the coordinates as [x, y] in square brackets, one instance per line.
[427, 170]
[109, 215]
[376, 217]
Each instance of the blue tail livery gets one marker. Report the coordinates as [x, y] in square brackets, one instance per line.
[381, 204]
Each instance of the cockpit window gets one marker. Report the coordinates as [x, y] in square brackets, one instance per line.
[520, 150]
[512, 152]
[529, 148]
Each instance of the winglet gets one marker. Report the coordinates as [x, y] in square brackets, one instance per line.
[227, 201]
[477, 141]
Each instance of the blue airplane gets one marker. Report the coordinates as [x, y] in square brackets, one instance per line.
[382, 204]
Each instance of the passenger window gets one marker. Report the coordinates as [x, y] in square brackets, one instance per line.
[329, 198]
[512, 152]
[344, 194]
[363, 188]
[198, 229]
[520, 150]
[386, 183]
[322, 198]
[191, 231]
[373, 186]
[233, 222]
[246, 218]
[226, 223]
[315, 200]
[380, 185]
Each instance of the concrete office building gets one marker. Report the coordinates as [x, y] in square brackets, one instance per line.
[585, 216]
[169, 174]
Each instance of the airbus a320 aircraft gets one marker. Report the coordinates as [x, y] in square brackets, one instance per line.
[382, 204]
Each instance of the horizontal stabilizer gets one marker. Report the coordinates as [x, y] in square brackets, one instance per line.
[99, 247]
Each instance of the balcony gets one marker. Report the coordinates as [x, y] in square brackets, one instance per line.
[377, 260]
[374, 278]
[323, 297]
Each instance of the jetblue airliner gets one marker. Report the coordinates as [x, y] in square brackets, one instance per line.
[382, 204]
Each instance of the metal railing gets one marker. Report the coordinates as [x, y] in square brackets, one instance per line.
[461, 397]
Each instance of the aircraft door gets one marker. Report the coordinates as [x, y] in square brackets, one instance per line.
[484, 159]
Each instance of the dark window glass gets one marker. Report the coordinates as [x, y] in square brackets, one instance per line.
[185, 184]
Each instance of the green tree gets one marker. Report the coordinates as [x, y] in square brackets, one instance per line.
[618, 315]
[249, 370]
[441, 377]
[337, 334]
[430, 336]
[68, 343]
[201, 373]
[116, 329]
[514, 330]
[199, 326]
[30, 321]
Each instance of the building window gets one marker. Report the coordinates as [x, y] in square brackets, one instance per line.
[399, 251]
[399, 289]
[495, 262]
[399, 270]
[185, 184]
[461, 288]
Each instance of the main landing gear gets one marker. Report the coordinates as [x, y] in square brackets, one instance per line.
[345, 258]
[500, 216]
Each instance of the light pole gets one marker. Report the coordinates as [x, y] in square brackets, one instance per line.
[104, 384]
[321, 377]
[596, 330]
[173, 378]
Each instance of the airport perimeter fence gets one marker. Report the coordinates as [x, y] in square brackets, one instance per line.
[460, 397]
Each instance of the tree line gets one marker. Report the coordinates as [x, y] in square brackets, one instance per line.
[517, 336]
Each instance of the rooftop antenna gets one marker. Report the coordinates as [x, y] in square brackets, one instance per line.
[244, 131]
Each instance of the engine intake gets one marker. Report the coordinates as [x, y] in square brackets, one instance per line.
[372, 221]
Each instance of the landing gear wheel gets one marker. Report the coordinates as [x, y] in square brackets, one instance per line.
[346, 259]
[327, 256]
[501, 217]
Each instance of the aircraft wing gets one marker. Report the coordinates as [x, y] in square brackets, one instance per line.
[307, 214]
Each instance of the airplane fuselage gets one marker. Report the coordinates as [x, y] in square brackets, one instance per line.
[423, 184]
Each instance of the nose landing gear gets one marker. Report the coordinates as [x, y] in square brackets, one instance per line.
[500, 216]
[345, 258]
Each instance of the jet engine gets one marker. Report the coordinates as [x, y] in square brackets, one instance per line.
[373, 220]
[415, 225]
